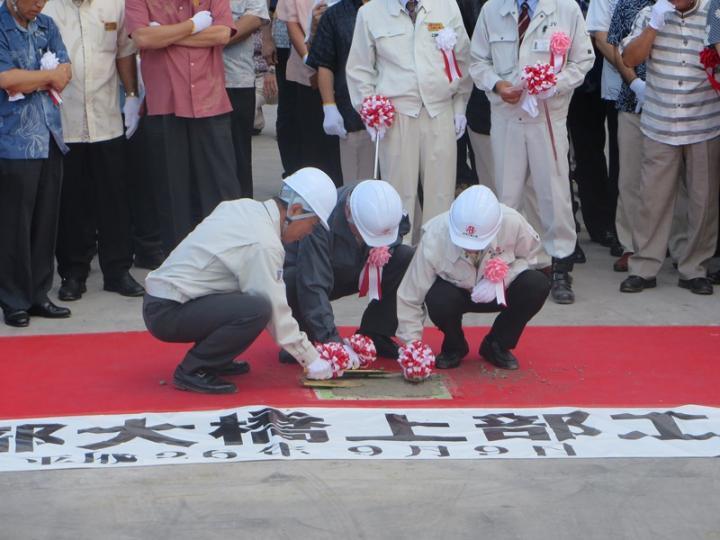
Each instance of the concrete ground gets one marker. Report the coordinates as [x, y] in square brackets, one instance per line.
[555, 499]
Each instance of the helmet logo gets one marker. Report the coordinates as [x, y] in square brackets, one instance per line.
[470, 230]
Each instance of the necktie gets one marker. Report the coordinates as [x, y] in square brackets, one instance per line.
[523, 21]
[410, 7]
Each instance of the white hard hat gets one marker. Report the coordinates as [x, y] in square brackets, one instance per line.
[376, 211]
[474, 218]
[316, 188]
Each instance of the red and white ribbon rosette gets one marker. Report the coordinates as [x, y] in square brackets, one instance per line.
[495, 272]
[364, 348]
[371, 274]
[710, 61]
[559, 45]
[446, 39]
[50, 61]
[417, 361]
[540, 82]
[378, 114]
[336, 355]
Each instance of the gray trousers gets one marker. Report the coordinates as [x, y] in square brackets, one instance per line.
[222, 326]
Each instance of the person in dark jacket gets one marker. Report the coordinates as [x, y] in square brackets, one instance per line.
[367, 225]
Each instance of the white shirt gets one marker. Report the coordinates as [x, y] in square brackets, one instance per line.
[238, 57]
[94, 34]
[236, 248]
[392, 57]
[436, 256]
[598, 19]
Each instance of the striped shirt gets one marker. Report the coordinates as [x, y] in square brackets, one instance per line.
[680, 105]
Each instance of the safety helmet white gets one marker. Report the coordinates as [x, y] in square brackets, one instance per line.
[316, 189]
[474, 218]
[376, 211]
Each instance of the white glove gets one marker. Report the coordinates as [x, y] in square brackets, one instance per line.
[154, 23]
[547, 94]
[379, 133]
[460, 125]
[319, 369]
[483, 292]
[201, 20]
[354, 358]
[658, 12]
[333, 123]
[131, 111]
[638, 87]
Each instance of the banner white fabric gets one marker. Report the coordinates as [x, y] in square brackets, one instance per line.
[257, 433]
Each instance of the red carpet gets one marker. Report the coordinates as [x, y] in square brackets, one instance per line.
[560, 366]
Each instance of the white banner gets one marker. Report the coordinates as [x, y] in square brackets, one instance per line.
[261, 433]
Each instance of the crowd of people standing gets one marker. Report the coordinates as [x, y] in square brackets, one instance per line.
[124, 123]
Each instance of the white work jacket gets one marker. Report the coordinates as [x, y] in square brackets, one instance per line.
[496, 56]
[390, 57]
[436, 256]
[236, 248]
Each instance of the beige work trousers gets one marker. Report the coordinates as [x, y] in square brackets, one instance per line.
[484, 163]
[660, 179]
[357, 157]
[629, 142]
[522, 151]
[421, 148]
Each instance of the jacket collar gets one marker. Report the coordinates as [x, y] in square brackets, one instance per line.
[544, 6]
[395, 7]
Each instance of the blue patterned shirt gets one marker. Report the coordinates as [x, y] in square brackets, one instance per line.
[626, 11]
[26, 125]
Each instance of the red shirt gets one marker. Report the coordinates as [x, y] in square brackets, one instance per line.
[185, 81]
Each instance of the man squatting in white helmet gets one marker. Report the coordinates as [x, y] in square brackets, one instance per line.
[447, 275]
[223, 284]
[326, 265]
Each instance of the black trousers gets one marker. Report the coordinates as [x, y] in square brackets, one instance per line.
[94, 211]
[29, 208]
[316, 148]
[286, 126]
[241, 123]
[141, 195]
[222, 326]
[446, 305]
[193, 170]
[598, 198]
[380, 316]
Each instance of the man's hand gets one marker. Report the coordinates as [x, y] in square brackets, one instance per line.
[201, 20]
[509, 93]
[317, 14]
[319, 369]
[658, 12]
[483, 292]
[131, 112]
[638, 88]
[270, 87]
[60, 77]
[460, 125]
[333, 123]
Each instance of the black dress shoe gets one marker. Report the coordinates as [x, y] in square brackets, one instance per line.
[286, 358]
[617, 250]
[561, 288]
[698, 285]
[202, 381]
[49, 310]
[448, 360]
[231, 369]
[18, 318]
[124, 286]
[384, 345]
[634, 284]
[491, 351]
[71, 289]
[714, 277]
[149, 262]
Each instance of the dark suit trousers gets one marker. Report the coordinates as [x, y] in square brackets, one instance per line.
[242, 118]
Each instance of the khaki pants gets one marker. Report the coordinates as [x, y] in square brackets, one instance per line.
[421, 148]
[629, 134]
[660, 180]
[357, 157]
[522, 150]
[484, 163]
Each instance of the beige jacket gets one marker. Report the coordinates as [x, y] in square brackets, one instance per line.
[495, 54]
[436, 256]
[95, 36]
[390, 57]
[236, 248]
